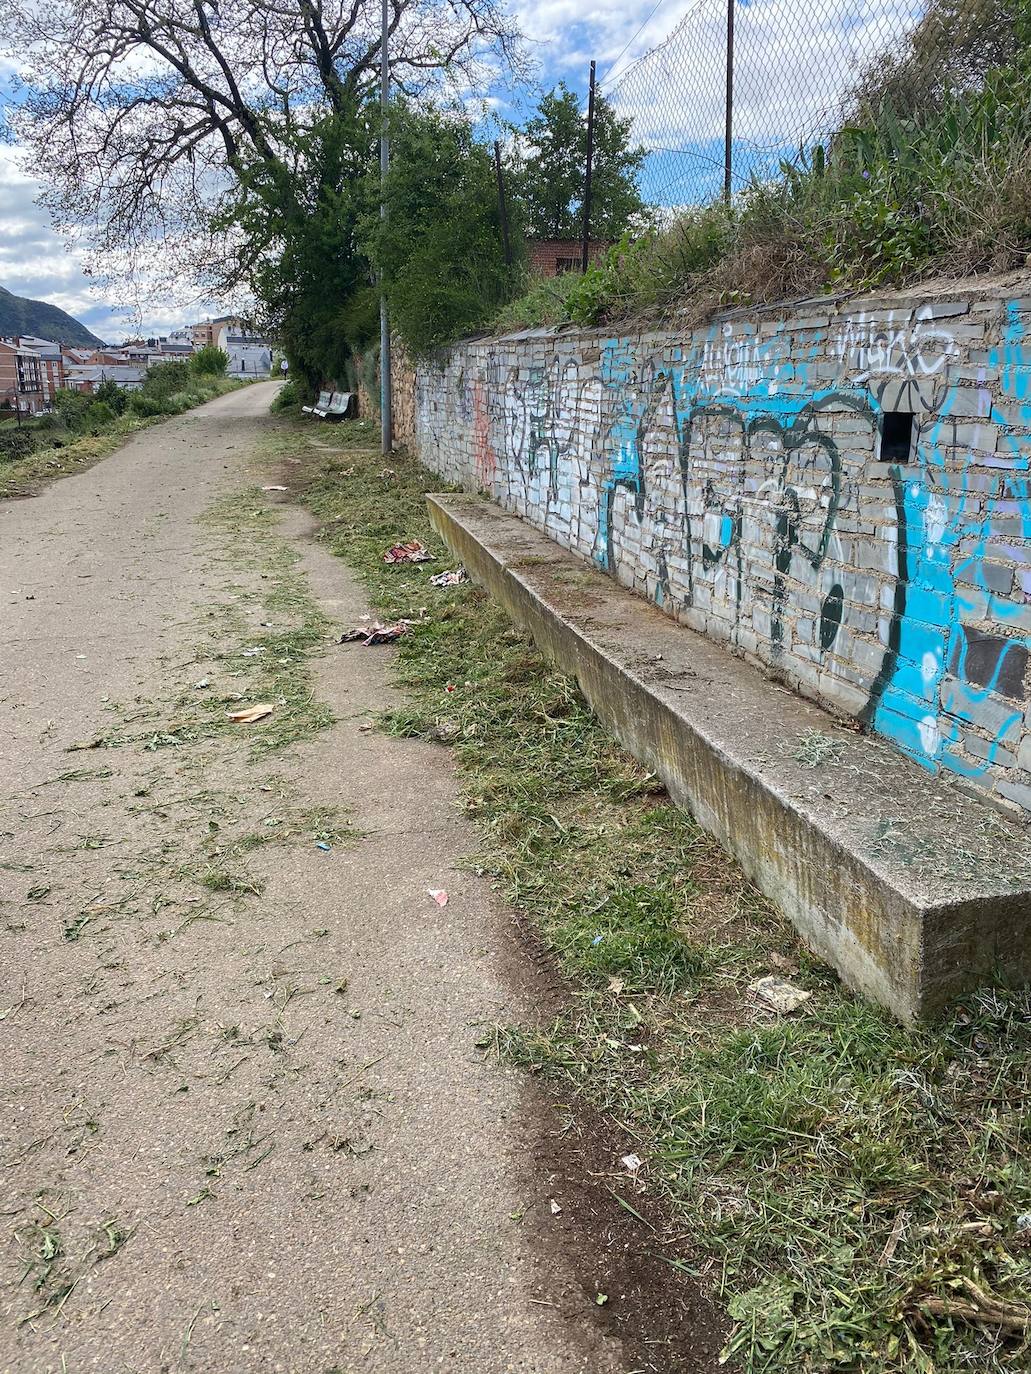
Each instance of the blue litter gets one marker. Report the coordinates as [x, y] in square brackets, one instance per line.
[321, 844]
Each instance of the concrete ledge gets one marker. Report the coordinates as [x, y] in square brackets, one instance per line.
[911, 889]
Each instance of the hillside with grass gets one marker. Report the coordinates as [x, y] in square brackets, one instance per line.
[20, 315]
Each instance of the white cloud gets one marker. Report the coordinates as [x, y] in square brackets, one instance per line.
[36, 262]
[792, 66]
[791, 70]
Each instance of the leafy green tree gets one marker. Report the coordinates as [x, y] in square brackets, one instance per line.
[112, 395]
[210, 361]
[440, 250]
[552, 162]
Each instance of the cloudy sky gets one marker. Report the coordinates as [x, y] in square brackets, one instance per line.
[794, 58]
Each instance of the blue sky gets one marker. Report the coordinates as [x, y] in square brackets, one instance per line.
[676, 101]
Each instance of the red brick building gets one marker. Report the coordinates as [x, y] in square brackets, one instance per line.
[21, 379]
[552, 257]
[51, 364]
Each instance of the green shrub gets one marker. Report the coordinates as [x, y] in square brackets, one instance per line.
[210, 361]
[543, 302]
[146, 406]
[52, 423]
[17, 443]
[98, 417]
[286, 397]
[163, 379]
[72, 406]
[112, 395]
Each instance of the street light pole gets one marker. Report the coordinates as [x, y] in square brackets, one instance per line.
[386, 419]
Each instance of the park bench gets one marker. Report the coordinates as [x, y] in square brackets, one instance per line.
[339, 405]
[321, 405]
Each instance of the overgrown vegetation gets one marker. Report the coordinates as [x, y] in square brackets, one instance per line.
[930, 174]
[857, 1193]
[440, 248]
[549, 158]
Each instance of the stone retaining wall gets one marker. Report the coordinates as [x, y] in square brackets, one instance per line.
[840, 492]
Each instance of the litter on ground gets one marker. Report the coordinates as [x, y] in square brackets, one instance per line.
[779, 994]
[449, 579]
[247, 715]
[376, 633]
[412, 552]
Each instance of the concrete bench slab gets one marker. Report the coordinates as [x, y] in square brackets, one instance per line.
[912, 889]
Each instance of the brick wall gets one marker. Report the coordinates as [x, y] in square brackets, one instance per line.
[550, 257]
[840, 493]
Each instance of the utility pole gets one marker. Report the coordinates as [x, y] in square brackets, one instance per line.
[585, 249]
[386, 418]
[502, 211]
[728, 146]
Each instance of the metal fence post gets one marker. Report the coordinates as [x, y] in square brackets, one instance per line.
[728, 146]
[585, 248]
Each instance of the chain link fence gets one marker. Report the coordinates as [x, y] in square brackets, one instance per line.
[739, 87]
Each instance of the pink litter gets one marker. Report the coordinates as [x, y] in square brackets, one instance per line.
[412, 552]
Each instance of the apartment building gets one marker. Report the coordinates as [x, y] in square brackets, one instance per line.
[21, 379]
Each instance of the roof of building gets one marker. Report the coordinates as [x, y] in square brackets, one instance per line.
[44, 347]
[99, 372]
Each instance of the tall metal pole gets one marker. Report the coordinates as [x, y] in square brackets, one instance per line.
[386, 418]
[728, 147]
[502, 210]
[585, 248]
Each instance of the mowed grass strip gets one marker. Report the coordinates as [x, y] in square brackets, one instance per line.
[857, 1192]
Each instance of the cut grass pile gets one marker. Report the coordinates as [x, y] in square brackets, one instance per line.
[858, 1193]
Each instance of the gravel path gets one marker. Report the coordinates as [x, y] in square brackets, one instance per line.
[244, 1125]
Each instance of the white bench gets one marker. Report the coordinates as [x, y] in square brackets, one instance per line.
[340, 404]
[321, 405]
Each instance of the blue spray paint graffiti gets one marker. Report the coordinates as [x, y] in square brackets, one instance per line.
[735, 477]
[950, 519]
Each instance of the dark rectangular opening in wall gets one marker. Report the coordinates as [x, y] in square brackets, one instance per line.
[897, 436]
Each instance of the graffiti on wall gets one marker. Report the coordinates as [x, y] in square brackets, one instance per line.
[742, 479]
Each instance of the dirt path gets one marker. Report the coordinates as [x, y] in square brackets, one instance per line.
[244, 1124]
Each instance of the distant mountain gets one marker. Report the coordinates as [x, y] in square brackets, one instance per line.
[19, 315]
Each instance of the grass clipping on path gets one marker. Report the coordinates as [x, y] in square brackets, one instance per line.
[847, 1185]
